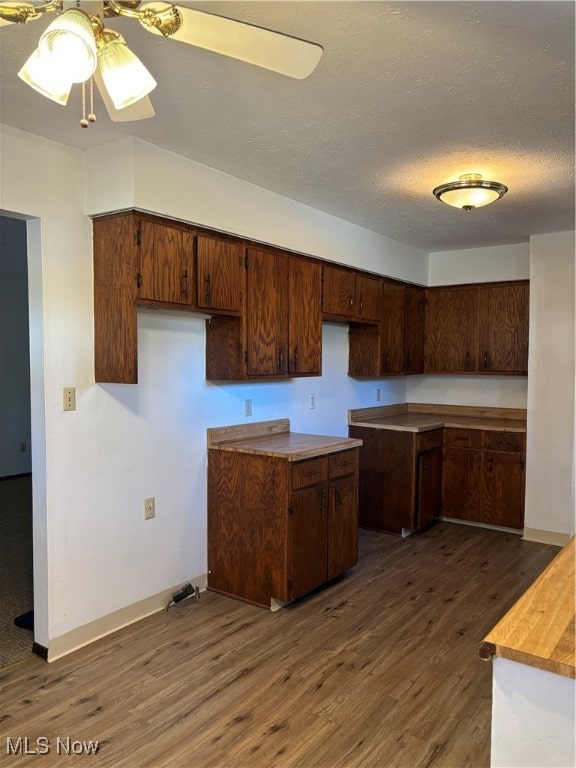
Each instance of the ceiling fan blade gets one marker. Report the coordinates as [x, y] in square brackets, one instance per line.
[271, 50]
[140, 110]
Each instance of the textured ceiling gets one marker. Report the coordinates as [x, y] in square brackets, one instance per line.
[407, 96]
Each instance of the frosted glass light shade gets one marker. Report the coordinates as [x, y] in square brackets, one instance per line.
[47, 79]
[470, 191]
[126, 79]
[69, 42]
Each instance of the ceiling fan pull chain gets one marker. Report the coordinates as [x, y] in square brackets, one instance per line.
[83, 121]
[92, 116]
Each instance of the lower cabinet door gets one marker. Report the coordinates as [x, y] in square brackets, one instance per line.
[429, 502]
[503, 489]
[461, 483]
[342, 525]
[308, 540]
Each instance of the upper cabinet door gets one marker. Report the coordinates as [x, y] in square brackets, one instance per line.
[305, 317]
[392, 328]
[368, 304]
[503, 328]
[339, 289]
[220, 274]
[267, 313]
[166, 263]
[451, 338]
[414, 330]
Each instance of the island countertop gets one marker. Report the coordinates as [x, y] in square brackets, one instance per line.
[274, 438]
[539, 629]
[422, 417]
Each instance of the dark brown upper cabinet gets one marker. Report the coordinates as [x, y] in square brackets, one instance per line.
[451, 330]
[477, 329]
[351, 295]
[166, 271]
[503, 328]
[396, 345]
[392, 328]
[415, 298]
[280, 331]
[220, 274]
[116, 264]
[304, 317]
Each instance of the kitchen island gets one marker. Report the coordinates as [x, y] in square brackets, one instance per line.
[534, 671]
[282, 511]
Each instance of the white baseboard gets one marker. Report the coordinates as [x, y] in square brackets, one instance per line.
[546, 537]
[501, 528]
[112, 622]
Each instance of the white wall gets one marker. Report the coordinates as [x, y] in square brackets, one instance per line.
[94, 553]
[550, 449]
[153, 179]
[14, 350]
[480, 265]
[474, 265]
[532, 717]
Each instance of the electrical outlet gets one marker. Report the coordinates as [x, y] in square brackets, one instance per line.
[149, 508]
[312, 400]
[69, 399]
[378, 394]
[247, 407]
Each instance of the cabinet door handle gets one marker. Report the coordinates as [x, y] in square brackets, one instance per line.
[387, 362]
[350, 302]
[361, 304]
[485, 359]
[489, 463]
[281, 361]
[295, 358]
[337, 497]
[208, 294]
[323, 502]
[467, 361]
[185, 283]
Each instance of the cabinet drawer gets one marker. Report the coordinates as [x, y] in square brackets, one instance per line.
[309, 472]
[504, 441]
[344, 463]
[462, 438]
[427, 440]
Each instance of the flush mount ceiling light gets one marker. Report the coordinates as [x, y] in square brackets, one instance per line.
[470, 191]
[77, 47]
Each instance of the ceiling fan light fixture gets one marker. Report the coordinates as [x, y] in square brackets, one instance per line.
[469, 192]
[69, 43]
[46, 79]
[126, 79]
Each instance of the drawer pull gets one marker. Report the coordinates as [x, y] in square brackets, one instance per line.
[345, 463]
[311, 473]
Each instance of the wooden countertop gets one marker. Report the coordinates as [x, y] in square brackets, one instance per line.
[412, 417]
[539, 629]
[273, 438]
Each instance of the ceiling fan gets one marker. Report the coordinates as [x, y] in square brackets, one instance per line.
[77, 47]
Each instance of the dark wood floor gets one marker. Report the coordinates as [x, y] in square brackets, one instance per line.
[378, 669]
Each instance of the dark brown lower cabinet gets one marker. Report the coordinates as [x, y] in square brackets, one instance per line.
[408, 480]
[483, 482]
[279, 529]
[400, 478]
[429, 500]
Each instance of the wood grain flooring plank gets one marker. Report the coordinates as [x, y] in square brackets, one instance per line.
[380, 668]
